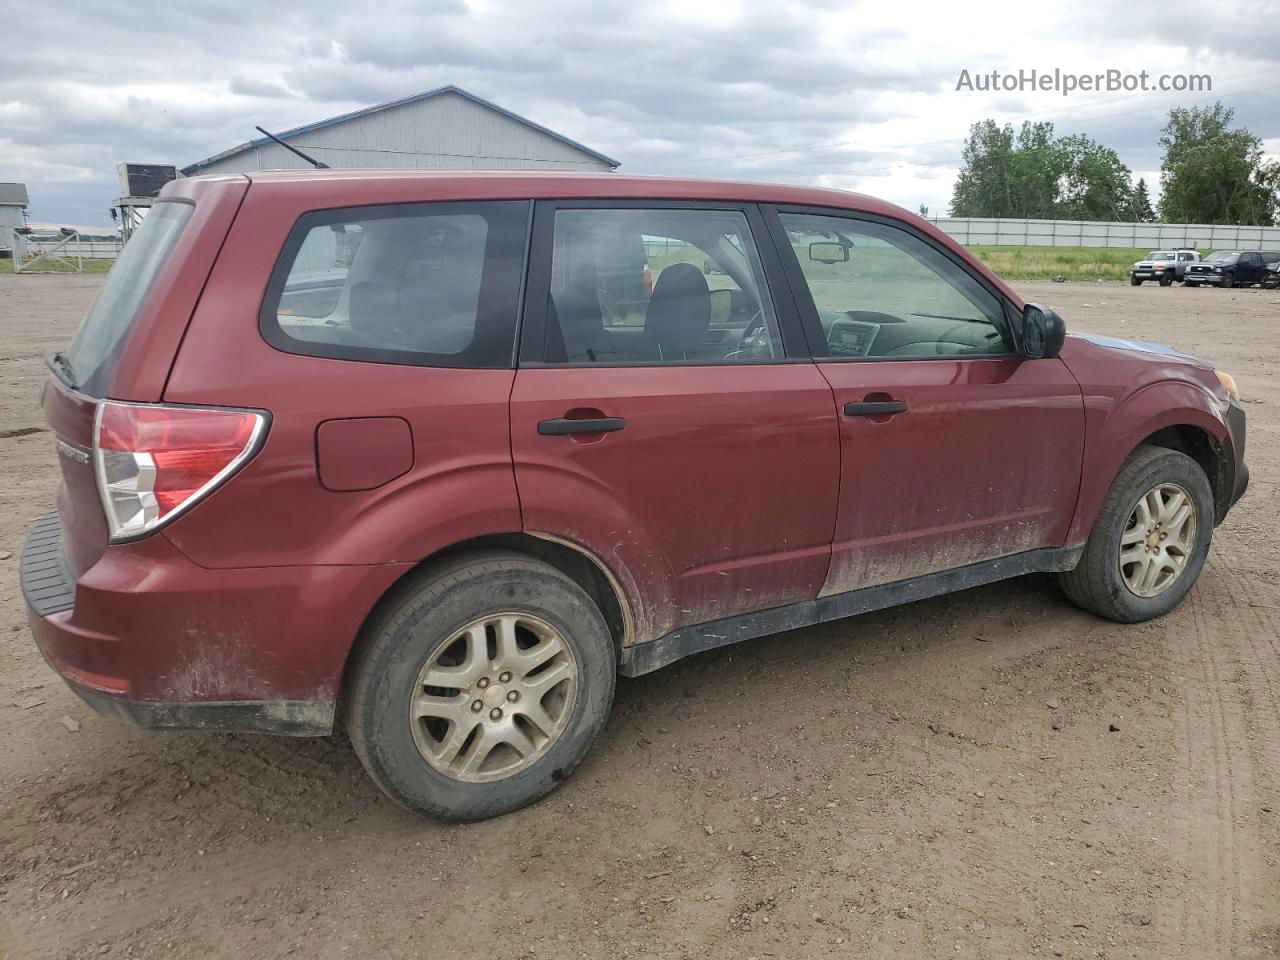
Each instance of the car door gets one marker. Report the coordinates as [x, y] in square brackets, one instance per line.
[663, 415]
[1250, 269]
[954, 449]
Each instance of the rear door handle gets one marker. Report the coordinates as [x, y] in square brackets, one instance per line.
[875, 409]
[558, 428]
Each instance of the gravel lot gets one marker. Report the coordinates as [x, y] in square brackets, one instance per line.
[933, 781]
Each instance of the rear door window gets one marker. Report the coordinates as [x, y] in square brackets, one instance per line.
[96, 348]
[657, 286]
[433, 284]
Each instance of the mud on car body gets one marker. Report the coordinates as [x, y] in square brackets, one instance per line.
[416, 449]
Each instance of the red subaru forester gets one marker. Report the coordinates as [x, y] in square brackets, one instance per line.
[448, 451]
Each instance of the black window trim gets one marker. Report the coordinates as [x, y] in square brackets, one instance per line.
[807, 310]
[268, 321]
[531, 347]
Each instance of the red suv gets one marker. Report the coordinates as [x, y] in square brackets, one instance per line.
[443, 453]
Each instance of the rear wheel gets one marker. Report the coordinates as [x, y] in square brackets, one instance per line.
[1150, 540]
[481, 686]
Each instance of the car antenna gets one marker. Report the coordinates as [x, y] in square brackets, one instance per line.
[311, 160]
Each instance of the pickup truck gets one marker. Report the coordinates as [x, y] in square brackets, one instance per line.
[1164, 266]
[1232, 268]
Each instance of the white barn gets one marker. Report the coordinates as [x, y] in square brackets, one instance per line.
[445, 127]
[13, 205]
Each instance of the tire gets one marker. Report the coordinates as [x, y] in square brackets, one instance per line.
[1228, 281]
[1166, 279]
[1097, 583]
[1135, 282]
[415, 627]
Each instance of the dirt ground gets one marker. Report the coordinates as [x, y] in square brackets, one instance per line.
[934, 781]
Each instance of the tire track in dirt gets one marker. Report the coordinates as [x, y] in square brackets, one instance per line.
[1216, 770]
[1248, 619]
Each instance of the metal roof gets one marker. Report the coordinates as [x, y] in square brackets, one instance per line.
[13, 194]
[194, 168]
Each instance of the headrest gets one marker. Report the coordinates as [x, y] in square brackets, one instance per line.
[679, 311]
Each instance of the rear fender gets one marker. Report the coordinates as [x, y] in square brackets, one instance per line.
[575, 508]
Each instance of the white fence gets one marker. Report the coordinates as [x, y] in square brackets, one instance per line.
[88, 249]
[1092, 233]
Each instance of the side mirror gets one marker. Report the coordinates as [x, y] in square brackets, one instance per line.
[828, 252]
[1043, 332]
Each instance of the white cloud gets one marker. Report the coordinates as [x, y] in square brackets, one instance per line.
[856, 95]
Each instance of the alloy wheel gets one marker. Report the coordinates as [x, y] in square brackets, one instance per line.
[493, 697]
[1157, 540]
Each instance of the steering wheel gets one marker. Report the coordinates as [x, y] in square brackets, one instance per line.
[754, 325]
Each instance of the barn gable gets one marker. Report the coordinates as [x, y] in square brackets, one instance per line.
[446, 127]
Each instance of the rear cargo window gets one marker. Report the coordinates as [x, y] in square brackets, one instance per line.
[93, 353]
[433, 284]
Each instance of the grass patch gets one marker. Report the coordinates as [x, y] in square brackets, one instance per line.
[1074, 263]
[90, 266]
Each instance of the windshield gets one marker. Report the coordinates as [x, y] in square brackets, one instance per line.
[1222, 256]
[94, 351]
[1159, 255]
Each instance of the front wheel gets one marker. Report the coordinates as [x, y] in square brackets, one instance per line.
[480, 686]
[1228, 280]
[1166, 279]
[1135, 282]
[1150, 539]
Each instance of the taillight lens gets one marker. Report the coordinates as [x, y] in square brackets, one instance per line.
[153, 462]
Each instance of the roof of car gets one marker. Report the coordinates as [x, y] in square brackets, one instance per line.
[576, 184]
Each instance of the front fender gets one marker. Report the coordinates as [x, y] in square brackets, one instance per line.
[1114, 427]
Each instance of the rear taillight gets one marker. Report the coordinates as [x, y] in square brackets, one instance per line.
[154, 462]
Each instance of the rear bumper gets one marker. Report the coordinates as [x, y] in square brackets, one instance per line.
[291, 718]
[147, 635]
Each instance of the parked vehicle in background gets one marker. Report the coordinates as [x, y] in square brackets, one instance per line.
[1231, 268]
[423, 446]
[1163, 266]
[1271, 279]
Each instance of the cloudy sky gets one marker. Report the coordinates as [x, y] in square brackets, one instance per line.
[858, 95]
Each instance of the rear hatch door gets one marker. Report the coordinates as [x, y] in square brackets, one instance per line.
[127, 341]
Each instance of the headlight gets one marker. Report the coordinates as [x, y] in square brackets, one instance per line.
[1229, 384]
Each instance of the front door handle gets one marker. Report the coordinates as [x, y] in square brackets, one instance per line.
[877, 408]
[562, 427]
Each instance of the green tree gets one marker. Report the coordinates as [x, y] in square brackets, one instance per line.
[1094, 184]
[1214, 174]
[1142, 211]
[1038, 165]
[1033, 174]
[984, 187]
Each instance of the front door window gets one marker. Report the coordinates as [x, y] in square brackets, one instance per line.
[882, 293]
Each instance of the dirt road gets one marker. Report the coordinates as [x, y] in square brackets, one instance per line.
[933, 781]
